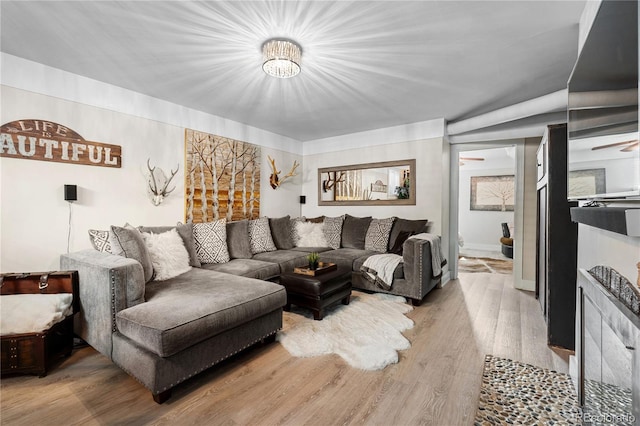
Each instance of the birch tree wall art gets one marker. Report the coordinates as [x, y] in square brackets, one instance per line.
[222, 178]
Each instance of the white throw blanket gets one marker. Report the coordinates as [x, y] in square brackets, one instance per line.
[437, 259]
[32, 313]
[379, 269]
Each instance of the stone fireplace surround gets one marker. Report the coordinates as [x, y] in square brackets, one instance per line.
[607, 331]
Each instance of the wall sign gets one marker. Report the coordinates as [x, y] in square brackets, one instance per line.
[48, 141]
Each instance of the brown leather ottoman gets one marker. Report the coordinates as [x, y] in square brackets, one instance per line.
[317, 292]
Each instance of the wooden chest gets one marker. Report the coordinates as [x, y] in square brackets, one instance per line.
[35, 353]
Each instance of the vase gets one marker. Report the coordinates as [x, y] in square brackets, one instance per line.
[313, 265]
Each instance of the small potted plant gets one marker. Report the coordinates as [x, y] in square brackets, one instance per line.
[314, 260]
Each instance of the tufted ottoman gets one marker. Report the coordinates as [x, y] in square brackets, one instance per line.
[317, 292]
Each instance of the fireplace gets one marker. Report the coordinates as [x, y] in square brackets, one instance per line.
[607, 350]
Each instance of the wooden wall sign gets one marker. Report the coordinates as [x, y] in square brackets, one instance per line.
[48, 141]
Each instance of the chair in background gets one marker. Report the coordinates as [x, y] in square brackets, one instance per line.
[506, 241]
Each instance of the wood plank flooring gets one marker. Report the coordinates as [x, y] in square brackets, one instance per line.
[436, 382]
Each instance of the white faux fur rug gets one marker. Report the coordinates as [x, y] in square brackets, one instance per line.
[366, 333]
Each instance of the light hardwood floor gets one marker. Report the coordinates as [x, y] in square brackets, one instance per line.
[436, 382]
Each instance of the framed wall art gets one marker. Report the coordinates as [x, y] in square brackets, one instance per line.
[492, 193]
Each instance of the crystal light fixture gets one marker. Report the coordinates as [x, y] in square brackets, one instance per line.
[281, 58]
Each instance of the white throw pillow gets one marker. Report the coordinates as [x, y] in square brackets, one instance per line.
[310, 235]
[169, 256]
[211, 241]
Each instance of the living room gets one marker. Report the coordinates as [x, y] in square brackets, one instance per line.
[437, 381]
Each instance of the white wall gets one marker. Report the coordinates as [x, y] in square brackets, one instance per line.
[481, 230]
[432, 174]
[34, 216]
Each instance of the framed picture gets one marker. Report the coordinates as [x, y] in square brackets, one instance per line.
[493, 193]
[587, 182]
[378, 186]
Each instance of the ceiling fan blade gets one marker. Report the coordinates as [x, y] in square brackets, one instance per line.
[595, 148]
[632, 147]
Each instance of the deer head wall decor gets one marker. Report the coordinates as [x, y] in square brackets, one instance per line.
[158, 183]
[274, 179]
[330, 183]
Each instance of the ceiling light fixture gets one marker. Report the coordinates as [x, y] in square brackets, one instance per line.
[281, 58]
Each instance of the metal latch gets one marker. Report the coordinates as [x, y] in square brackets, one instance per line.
[44, 281]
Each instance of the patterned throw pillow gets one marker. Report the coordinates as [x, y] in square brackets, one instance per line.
[260, 236]
[211, 241]
[100, 240]
[332, 228]
[377, 237]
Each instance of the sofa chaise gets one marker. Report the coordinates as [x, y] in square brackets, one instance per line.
[162, 329]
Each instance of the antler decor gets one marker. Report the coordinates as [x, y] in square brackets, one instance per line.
[158, 183]
[330, 183]
[274, 180]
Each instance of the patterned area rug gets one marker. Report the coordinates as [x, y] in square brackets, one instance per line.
[484, 264]
[367, 333]
[516, 393]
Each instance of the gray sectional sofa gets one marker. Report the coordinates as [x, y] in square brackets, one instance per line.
[163, 332]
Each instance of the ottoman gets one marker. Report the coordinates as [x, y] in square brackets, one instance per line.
[317, 292]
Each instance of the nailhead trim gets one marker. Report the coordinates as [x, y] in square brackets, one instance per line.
[113, 300]
[202, 369]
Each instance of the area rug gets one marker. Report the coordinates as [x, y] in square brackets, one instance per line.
[516, 393]
[484, 264]
[367, 333]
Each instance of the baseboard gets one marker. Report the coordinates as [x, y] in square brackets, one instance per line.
[485, 247]
[446, 277]
[527, 285]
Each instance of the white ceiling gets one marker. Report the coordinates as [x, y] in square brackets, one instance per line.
[365, 64]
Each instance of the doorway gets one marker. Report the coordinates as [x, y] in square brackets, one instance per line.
[519, 281]
[486, 204]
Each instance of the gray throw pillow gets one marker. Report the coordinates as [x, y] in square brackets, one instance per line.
[377, 237]
[185, 230]
[354, 231]
[130, 244]
[414, 226]
[332, 228]
[238, 240]
[281, 232]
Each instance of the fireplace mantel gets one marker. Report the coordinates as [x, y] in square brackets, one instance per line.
[622, 220]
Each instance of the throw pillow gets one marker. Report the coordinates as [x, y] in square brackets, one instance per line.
[127, 241]
[168, 254]
[310, 235]
[332, 228]
[238, 240]
[185, 231]
[211, 241]
[100, 240]
[294, 231]
[260, 236]
[415, 226]
[354, 231]
[318, 219]
[397, 247]
[377, 237]
[281, 232]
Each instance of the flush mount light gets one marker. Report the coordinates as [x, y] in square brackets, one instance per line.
[281, 58]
